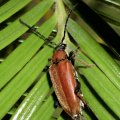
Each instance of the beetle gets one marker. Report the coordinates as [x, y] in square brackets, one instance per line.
[65, 81]
[64, 78]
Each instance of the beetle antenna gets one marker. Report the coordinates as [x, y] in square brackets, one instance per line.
[66, 26]
[33, 29]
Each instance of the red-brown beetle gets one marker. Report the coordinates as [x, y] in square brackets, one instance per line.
[64, 79]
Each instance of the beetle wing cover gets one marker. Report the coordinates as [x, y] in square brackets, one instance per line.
[64, 83]
[58, 87]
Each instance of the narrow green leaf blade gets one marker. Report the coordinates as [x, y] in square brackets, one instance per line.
[11, 7]
[28, 74]
[16, 29]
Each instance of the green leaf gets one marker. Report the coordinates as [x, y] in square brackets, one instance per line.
[26, 91]
[16, 29]
[19, 61]
[11, 7]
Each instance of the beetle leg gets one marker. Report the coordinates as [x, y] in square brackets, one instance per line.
[77, 88]
[57, 104]
[46, 68]
[80, 96]
[72, 55]
[86, 106]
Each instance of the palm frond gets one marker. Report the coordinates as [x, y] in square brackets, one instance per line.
[26, 91]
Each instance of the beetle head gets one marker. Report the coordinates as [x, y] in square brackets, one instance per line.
[61, 46]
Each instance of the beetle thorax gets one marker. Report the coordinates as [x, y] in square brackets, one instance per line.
[58, 56]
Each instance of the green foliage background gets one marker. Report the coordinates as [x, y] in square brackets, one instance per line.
[26, 91]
